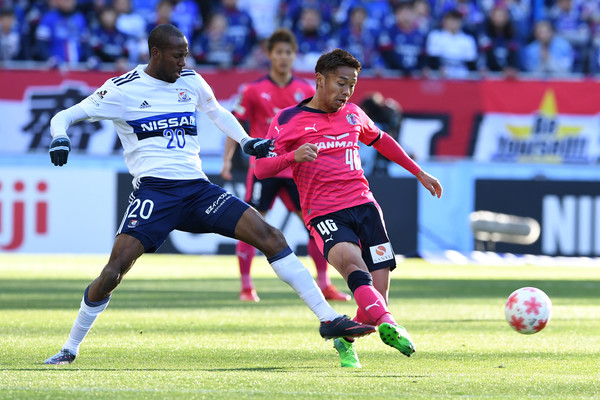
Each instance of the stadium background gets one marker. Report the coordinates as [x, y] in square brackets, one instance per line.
[527, 146]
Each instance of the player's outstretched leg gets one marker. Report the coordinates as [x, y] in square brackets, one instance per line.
[290, 270]
[62, 357]
[253, 229]
[245, 254]
[397, 337]
[329, 290]
[344, 327]
[88, 313]
[373, 306]
[126, 250]
[347, 352]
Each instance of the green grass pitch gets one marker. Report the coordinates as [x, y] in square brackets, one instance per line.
[175, 329]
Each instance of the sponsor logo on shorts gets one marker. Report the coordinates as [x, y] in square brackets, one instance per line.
[214, 207]
[381, 252]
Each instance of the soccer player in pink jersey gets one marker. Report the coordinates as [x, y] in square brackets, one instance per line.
[318, 139]
[259, 102]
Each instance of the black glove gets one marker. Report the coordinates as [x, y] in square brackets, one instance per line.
[59, 151]
[257, 147]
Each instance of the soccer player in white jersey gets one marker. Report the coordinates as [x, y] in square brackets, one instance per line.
[153, 109]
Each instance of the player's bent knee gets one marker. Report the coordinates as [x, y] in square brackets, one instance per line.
[277, 240]
[272, 241]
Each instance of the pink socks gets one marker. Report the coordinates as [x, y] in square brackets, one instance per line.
[372, 307]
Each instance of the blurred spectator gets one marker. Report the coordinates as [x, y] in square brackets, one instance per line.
[163, 15]
[312, 40]
[145, 8]
[402, 46]
[292, 11]
[214, 46]
[387, 115]
[423, 16]
[451, 51]
[108, 44]
[259, 57]
[91, 11]
[548, 54]
[133, 25]
[568, 24]
[358, 39]
[207, 9]
[186, 16]
[29, 16]
[62, 35]
[590, 12]
[379, 12]
[498, 43]
[9, 36]
[264, 14]
[239, 29]
[521, 14]
[472, 16]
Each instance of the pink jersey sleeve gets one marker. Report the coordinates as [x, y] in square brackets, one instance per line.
[242, 108]
[392, 150]
[281, 156]
[271, 166]
[370, 132]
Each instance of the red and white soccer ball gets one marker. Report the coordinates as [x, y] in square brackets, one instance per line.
[528, 310]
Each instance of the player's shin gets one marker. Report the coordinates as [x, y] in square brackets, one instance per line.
[290, 270]
[363, 318]
[88, 313]
[245, 254]
[369, 300]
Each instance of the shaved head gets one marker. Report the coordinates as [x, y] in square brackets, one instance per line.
[161, 35]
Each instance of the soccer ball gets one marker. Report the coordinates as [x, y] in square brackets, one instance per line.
[528, 310]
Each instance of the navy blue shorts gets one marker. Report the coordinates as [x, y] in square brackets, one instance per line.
[362, 225]
[261, 193]
[160, 206]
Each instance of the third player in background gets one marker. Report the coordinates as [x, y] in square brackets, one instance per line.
[259, 102]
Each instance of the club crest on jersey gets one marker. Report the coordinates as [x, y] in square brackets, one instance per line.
[101, 93]
[298, 96]
[352, 119]
[183, 97]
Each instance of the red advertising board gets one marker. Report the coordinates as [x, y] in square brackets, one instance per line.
[462, 105]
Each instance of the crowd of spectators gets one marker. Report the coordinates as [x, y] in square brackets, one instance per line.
[448, 38]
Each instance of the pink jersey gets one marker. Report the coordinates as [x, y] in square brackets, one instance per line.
[335, 180]
[262, 99]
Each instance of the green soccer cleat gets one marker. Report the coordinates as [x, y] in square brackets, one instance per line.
[396, 337]
[347, 352]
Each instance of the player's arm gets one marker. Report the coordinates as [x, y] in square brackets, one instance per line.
[61, 145]
[226, 122]
[228, 153]
[272, 165]
[240, 112]
[392, 150]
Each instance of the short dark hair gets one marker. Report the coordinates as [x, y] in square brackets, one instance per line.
[329, 62]
[403, 4]
[453, 14]
[282, 35]
[160, 35]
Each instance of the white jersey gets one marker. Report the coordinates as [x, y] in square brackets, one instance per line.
[155, 120]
